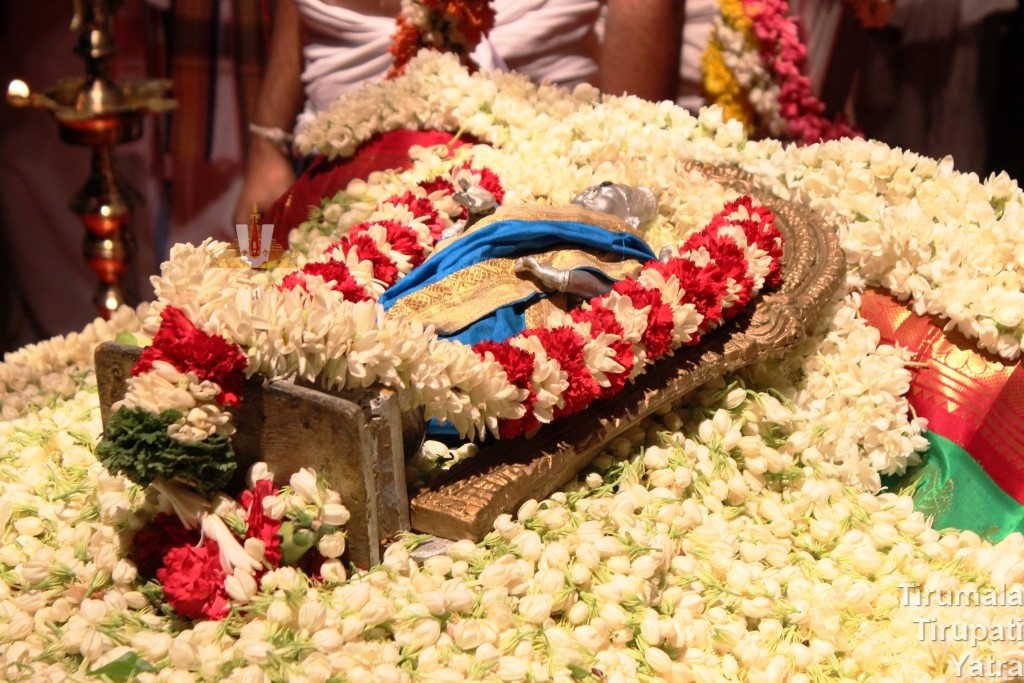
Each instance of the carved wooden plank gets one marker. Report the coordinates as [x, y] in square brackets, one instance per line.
[503, 476]
[353, 439]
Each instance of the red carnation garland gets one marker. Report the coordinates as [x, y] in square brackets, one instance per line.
[718, 291]
[365, 249]
[189, 567]
[760, 229]
[193, 581]
[704, 285]
[149, 546]
[603, 321]
[400, 238]
[730, 262]
[193, 576]
[422, 207]
[332, 271]
[518, 365]
[657, 336]
[565, 345]
[189, 349]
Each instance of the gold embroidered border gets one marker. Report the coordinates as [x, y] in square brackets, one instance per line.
[474, 292]
[539, 311]
[465, 296]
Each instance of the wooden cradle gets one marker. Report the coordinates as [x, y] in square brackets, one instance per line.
[354, 438]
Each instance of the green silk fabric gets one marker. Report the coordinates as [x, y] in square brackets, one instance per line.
[951, 487]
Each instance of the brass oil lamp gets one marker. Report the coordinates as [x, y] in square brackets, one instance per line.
[93, 111]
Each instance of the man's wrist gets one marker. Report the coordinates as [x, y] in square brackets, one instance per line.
[263, 150]
[278, 137]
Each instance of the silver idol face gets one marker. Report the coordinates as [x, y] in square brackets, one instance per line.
[635, 205]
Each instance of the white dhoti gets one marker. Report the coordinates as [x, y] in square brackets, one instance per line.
[552, 40]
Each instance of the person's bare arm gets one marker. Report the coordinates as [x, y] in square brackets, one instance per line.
[268, 172]
[642, 43]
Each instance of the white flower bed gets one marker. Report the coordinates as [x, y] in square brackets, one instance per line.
[738, 535]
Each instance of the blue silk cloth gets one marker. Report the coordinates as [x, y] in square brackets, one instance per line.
[512, 238]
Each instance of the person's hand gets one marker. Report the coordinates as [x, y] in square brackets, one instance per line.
[268, 175]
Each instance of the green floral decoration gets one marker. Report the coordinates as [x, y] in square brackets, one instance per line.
[136, 444]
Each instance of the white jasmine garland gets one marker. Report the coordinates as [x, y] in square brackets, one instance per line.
[749, 70]
[672, 544]
[200, 423]
[805, 163]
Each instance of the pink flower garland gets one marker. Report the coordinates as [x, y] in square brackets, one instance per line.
[785, 54]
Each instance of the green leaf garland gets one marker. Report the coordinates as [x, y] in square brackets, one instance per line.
[136, 444]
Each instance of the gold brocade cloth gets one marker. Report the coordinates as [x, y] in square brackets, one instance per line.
[463, 297]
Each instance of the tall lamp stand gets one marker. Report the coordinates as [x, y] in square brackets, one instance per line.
[93, 111]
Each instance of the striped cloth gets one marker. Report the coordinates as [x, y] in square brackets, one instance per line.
[195, 42]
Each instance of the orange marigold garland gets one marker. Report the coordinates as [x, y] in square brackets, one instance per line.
[455, 26]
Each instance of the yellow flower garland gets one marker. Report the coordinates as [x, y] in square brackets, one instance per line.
[734, 15]
[748, 69]
[721, 87]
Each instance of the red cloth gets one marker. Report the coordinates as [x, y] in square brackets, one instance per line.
[385, 151]
[973, 398]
